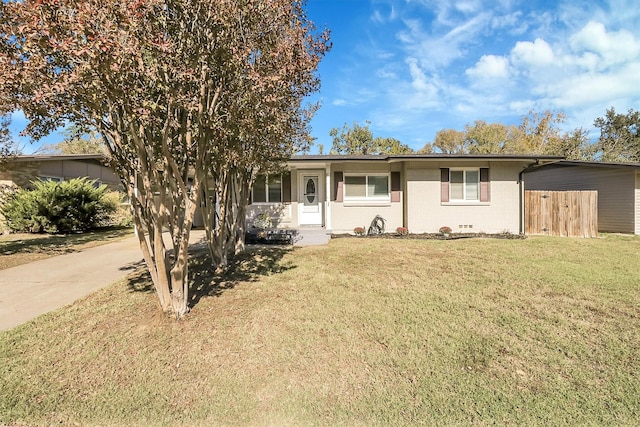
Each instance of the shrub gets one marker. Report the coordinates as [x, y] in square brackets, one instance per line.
[59, 207]
[122, 216]
[358, 231]
[402, 231]
[445, 230]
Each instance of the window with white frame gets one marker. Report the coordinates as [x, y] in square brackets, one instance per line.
[464, 184]
[51, 178]
[366, 187]
[267, 189]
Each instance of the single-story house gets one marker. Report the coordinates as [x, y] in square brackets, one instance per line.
[422, 192]
[617, 184]
[20, 171]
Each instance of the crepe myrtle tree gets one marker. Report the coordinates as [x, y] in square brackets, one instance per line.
[190, 96]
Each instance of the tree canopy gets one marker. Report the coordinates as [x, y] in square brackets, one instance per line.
[190, 97]
[8, 147]
[77, 141]
[359, 140]
[619, 136]
[538, 133]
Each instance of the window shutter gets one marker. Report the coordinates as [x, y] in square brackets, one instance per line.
[485, 187]
[338, 183]
[395, 186]
[444, 184]
[286, 187]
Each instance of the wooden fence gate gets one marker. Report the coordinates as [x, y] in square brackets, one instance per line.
[561, 213]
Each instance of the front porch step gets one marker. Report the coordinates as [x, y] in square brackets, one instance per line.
[311, 236]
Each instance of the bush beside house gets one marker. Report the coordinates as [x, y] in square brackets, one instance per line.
[59, 207]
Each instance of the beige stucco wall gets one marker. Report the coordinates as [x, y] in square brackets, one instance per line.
[280, 213]
[426, 213]
[345, 216]
[419, 208]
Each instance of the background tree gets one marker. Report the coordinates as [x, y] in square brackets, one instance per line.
[8, 147]
[619, 136]
[447, 141]
[189, 96]
[77, 141]
[574, 145]
[537, 133]
[360, 140]
[489, 138]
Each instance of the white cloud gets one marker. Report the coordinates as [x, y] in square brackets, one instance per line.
[612, 47]
[467, 6]
[385, 73]
[382, 17]
[418, 78]
[490, 67]
[441, 50]
[339, 102]
[537, 54]
[511, 20]
[598, 88]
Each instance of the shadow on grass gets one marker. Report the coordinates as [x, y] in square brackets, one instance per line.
[257, 261]
[58, 243]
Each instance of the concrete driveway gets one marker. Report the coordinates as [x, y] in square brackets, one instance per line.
[29, 290]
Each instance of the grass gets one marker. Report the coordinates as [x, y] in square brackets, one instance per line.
[22, 248]
[542, 331]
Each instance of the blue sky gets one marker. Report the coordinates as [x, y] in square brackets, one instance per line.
[414, 67]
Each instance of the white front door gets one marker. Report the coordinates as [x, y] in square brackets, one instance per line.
[310, 199]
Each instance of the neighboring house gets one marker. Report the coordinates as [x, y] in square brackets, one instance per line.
[21, 171]
[618, 186]
[469, 193]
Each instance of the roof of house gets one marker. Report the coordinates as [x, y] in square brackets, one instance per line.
[619, 165]
[396, 157]
[50, 157]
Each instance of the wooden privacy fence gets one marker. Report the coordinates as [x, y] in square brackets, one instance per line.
[562, 213]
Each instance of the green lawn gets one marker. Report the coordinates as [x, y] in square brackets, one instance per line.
[366, 332]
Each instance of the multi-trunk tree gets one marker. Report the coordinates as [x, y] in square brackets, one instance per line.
[191, 97]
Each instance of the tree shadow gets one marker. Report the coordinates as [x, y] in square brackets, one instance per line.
[257, 261]
[59, 244]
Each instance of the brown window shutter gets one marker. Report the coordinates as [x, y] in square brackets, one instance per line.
[485, 186]
[338, 183]
[395, 186]
[444, 184]
[286, 187]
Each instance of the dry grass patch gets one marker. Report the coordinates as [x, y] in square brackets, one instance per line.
[21, 248]
[540, 331]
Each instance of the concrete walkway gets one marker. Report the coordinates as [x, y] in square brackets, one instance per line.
[29, 290]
